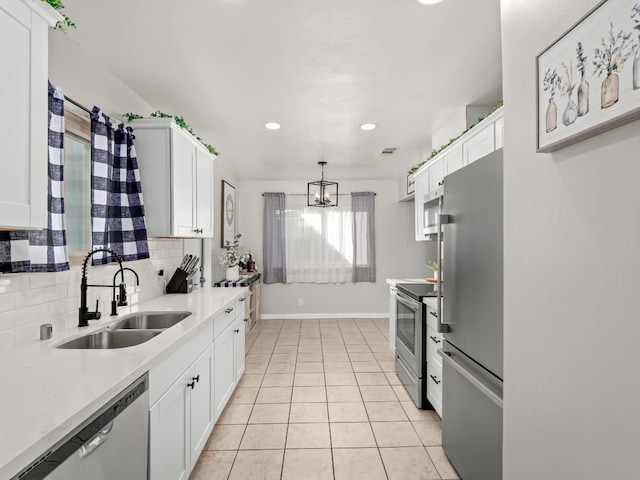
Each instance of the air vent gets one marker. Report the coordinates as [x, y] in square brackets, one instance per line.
[389, 151]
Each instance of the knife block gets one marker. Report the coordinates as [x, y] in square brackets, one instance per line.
[180, 282]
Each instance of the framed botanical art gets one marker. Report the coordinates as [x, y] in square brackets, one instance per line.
[588, 81]
[228, 213]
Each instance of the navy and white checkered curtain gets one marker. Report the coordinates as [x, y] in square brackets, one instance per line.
[117, 209]
[43, 250]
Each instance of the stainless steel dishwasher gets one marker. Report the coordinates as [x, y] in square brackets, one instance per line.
[111, 444]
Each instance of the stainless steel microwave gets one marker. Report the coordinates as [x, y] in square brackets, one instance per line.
[432, 208]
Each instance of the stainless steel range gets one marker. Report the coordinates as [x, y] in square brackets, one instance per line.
[411, 334]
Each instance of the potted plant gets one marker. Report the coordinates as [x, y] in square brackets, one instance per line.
[434, 267]
[550, 83]
[610, 60]
[231, 259]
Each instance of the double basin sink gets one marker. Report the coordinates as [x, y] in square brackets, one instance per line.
[131, 330]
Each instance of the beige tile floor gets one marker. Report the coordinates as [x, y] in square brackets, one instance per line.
[320, 400]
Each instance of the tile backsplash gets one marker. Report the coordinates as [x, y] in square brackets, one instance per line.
[28, 300]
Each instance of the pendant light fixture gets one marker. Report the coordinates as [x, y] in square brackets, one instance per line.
[322, 193]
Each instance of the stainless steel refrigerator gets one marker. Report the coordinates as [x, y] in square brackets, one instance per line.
[473, 317]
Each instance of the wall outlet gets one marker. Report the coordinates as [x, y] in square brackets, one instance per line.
[300, 302]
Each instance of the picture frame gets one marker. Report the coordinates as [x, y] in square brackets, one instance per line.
[411, 184]
[588, 80]
[228, 213]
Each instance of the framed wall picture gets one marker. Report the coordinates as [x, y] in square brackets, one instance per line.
[228, 213]
[588, 81]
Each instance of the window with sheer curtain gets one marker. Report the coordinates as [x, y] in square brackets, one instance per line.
[320, 245]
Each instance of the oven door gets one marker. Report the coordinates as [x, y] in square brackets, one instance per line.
[409, 332]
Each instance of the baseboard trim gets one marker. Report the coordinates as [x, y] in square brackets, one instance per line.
[321, 316]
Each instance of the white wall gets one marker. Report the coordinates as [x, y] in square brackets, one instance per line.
[572, 231]
[398, 255]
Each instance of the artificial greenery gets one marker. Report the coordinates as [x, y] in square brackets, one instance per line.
[180, 121]
[435, 152]
[57, 5]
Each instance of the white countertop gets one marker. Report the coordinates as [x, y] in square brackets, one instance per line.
[47, 392]
[394, 281]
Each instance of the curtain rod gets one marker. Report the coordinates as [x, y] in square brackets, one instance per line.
[304, 194]
[82, 107]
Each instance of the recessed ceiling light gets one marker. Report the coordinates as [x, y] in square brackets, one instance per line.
[272, 126]
[368, 126]
[429, 2]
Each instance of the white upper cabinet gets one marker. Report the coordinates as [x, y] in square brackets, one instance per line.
[481, 140]
[24, 47]
[177, 180]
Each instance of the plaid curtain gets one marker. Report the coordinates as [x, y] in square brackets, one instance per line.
[43, 250]
[117, 209]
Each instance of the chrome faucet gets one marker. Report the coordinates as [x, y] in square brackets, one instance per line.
[84, 314]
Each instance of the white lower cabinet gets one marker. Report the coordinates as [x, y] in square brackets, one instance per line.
[224, 373]
[181, 413]
[229, 347]
[434, 362]
[168, 435]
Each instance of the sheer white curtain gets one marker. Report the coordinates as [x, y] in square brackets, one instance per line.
[319, 241]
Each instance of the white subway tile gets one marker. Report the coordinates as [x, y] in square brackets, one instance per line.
[7, 302]
[14, 318]
[14, 283]
[28, 298]
[6, 340]
[42, 279]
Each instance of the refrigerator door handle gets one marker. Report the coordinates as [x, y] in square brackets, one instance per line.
[446, 357]
[442, 219]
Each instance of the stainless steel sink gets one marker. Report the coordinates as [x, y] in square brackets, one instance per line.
[108, 339]
[150, 321]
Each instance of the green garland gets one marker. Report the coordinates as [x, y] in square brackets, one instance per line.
[180, 121]
[435, 152]
[57, 5]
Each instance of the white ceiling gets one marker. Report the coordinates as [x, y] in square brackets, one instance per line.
[320, 68]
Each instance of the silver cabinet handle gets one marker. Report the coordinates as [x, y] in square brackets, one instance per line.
[434, 314]
[435, 339]
[228, 310]
[242, 299]
[97, 440]
[435, 379]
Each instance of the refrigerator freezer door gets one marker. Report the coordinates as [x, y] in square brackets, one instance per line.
[473, 266]
[471, 417]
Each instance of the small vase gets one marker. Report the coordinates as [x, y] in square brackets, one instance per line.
[570, 113]
[610, 90]
[232, 274]
[583, 97]
[552, 116]
[636, 67]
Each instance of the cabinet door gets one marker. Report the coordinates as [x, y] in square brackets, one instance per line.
[436, 173]
[23, 123]
[168, 450]
[421, 193]
[481, 144]
[201, 415]
[238, 348]
[499, 126]
[392, 318]
[204, 194]
[224, 369]
[452, 160]
[183, 175]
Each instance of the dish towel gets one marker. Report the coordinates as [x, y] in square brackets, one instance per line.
[43, 250]
[117, 207]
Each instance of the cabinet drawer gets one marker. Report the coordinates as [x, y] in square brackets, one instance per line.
[432, 318]
[226, 318]
[434, 342]
[239, 311]
[434, 388]
[165, 374]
